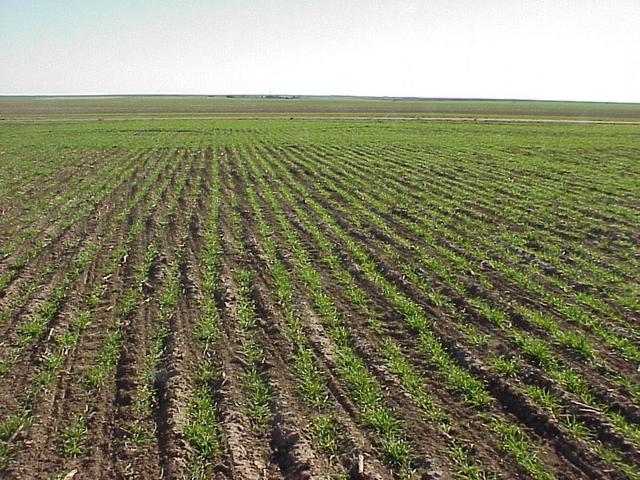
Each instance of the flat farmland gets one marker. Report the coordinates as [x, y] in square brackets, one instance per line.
[150, 107]
[290, 299]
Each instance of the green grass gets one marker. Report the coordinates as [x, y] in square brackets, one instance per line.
[259, 394]
[505, 366]
[514, 441]
[259, 398]
[324, 431]
[312, 387]
[201, 428]
[74, 439]
[466, 467]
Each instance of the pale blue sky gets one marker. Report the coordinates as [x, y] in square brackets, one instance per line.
[556, 49]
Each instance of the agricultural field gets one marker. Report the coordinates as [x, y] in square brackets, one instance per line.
[75, 108]
[290, 299]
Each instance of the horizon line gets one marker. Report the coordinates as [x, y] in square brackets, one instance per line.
[290, 96]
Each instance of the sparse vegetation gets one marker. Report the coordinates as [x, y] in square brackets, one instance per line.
[248, 298]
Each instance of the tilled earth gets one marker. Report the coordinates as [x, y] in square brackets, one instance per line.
[311, 302]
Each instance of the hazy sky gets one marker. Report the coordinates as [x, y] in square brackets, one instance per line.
[556, 49]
